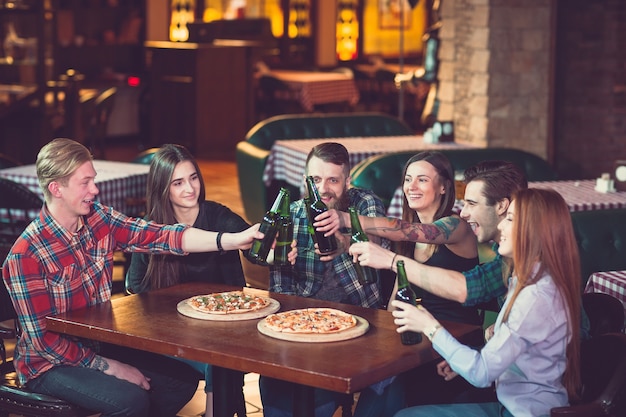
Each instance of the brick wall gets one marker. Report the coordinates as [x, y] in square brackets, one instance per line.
[590, 86]
[546, 76]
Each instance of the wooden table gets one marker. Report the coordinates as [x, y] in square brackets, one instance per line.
[612, 283]
[316, 87]
[287, 158]
[579, 195]
[151, 322]
[117, 182]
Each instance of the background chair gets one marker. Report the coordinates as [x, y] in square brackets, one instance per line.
[96, 115]
[7, 162]
[605, 313]
[15, 399]
[18, 208]
[603, 372]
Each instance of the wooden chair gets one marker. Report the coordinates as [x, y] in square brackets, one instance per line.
[603, 372]
[96, 115]
[14, 398]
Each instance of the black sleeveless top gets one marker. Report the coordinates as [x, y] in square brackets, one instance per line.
[441, 308]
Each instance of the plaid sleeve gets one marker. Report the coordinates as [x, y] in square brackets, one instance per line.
[485, 282]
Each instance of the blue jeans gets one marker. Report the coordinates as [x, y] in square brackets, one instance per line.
[456, 410]
[172, 385]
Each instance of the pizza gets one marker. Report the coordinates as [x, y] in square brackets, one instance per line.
[310, 320]
[229, 302]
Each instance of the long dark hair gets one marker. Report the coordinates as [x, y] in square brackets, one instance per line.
[165, 270]
[445, 176]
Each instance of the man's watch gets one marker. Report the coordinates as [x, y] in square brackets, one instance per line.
[430, 332]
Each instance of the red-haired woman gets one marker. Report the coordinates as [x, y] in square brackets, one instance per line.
[534, 349]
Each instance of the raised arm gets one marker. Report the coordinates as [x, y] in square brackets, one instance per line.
[451, 229]
[442, 282]
[197, 240]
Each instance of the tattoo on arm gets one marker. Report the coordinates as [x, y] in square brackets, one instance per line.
[99, 363]
[418, 232]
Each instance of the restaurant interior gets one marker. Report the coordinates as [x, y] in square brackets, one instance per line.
[546, 77]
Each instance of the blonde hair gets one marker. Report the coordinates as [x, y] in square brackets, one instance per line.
[58, 160]
[543, 235]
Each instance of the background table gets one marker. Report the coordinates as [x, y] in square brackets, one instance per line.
[117, 182]
[316, 87]
[287, 158]
[612, 283]
[579, 195]
[150, 322]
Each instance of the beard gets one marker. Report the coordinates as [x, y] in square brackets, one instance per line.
[342, 203]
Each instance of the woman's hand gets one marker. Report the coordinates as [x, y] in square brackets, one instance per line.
[445, 371]
[489, 332]
[372, 255]
[408, 317]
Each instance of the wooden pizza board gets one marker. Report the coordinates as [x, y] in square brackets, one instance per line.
[360, 329]
[186, 310]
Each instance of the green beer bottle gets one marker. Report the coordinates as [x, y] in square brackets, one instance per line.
[269, 227]
[366, 274]
[405, 293]
[316, 207]
[285, 234]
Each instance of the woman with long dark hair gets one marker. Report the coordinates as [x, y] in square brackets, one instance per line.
[176, 194]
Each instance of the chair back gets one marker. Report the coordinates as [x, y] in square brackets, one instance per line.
[7, 162]
[603, 373]
[145, 157]
[18, 208]
[605, 313]
[96, 111]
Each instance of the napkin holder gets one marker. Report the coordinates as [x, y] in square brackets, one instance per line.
[605, 184]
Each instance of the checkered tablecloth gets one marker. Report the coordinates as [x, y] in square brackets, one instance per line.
[287, 158]
[116, 181]
[612, 283]
[579, 195]
[313, 88]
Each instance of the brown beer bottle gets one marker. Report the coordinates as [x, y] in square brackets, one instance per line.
[269, 227]
[315, 207]
[405, 293]
[365, 274]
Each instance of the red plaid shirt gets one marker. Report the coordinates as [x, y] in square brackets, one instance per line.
[51, 271]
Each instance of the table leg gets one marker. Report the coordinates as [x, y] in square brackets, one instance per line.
[303, 401]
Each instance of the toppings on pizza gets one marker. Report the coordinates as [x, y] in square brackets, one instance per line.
[230, 302]
[310, 320]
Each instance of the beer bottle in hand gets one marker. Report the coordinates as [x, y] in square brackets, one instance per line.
[365, 274]
[405, 293]
[316, 207]
[269, 227]
[285, 234]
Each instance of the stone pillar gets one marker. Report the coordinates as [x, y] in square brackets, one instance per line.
[495, 72]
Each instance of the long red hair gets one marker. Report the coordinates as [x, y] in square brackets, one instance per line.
[543, 235]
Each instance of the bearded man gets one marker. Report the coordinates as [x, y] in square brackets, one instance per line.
[335, 278]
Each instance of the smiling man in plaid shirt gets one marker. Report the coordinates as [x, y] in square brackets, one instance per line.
[63, 261]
